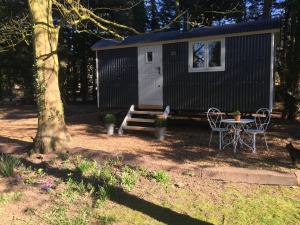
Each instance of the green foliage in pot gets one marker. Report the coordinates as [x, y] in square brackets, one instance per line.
[160, 121]
[110, 118]
[236, 113]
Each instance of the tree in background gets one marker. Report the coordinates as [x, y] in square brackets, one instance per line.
[16, 55]
[267, 8]
[139, 16]
[289, 68]
[169, 9]
[153, 15]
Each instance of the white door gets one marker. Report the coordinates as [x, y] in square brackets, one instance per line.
[150, 76]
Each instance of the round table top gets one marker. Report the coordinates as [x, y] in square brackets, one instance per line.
[243, 121]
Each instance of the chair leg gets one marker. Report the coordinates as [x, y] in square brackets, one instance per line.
[254, 143]
[211, 133]
[220, 140]
[266, 142]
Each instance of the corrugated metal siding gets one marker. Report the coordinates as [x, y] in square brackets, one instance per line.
[244, 85]
[118, 78]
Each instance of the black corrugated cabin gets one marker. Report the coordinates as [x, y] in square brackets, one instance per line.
[229, 67]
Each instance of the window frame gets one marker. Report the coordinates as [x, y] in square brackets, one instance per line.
[206, 67]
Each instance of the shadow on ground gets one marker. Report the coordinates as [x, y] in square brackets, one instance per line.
[119, 196]
[186, 141]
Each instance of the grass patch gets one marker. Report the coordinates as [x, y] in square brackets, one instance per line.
[87, 168]
[107, 175]
[261, 206]
[106, 220]
[129, 178]
[30, 181]
[161, 176]
[73, 190]
[82, 203]
[7, 165]
[11, 197]
[59, 215]
[64, 156]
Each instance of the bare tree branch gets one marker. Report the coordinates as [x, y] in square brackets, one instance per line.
[120, 8]
[13, 32]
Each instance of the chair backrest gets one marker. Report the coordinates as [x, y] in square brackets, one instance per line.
[214, 117]
[262, 119]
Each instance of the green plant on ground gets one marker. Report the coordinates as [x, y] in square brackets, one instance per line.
[40, 172]
[73, 190]
[64, 156]
[30, 180]
[6, 198]
[110, 118]
[106, 220]
[160, 121]
[52, 161]
[102, 194]
[76, 186]
[107, 176]
[161, 176]
[59, 215]
[114, 162]
[129, 178]
[144, 172]
[7, 165]
[87, 168]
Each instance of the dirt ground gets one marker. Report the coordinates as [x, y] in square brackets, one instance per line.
[185, 147]
[22, 201]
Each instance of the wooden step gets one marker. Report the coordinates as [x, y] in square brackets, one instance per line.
[140, 120]
[147, 112]
[138, 128]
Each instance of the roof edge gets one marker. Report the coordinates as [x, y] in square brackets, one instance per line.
[246, 33]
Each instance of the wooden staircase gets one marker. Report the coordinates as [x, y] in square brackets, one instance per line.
[140, 120]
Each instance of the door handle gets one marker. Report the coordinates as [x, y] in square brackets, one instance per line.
[158, 69]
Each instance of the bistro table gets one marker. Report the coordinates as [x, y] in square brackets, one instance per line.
[237, 127]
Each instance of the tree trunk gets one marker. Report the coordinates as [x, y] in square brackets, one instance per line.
[83, 69]
[292, 63]
[267, 9]
[52, 133]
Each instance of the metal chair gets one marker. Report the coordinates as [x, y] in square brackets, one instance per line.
[214, 117]
[261, 122]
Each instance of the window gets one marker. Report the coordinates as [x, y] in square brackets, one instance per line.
[207, 56]
[198, 55]
[149, 57]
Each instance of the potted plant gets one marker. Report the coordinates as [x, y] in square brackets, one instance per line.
[237, 115]
[110, 121]
[160, 124]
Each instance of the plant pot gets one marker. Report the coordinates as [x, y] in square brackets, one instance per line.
[160, 133]
[110, 128]
[237, 117]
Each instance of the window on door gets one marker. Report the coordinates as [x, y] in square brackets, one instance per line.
[149, 57]
[207, 56]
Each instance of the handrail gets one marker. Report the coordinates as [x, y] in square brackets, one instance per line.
[167, 112]
[124, 123]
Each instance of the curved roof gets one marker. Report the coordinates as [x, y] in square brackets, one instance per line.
[195, 32]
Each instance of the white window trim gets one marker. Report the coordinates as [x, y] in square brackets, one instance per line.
[206, 68]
